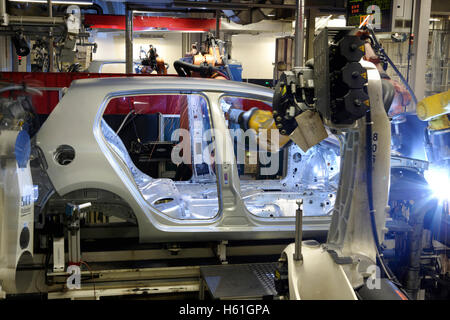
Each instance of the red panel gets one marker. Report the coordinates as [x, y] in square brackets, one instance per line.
[247, 104]
[149, 23]
[166, 104]
[53, 82]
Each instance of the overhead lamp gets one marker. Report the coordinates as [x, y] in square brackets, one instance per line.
[79, 3]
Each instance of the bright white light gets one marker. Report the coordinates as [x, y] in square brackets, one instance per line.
[439, 181]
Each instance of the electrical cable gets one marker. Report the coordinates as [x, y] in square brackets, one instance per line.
[379, 48]
[132, 111]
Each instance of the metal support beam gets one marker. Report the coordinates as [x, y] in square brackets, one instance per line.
[51, 63]
[422, 10]
[311, 20]
[185, 43]
[299, 34]
[3, 14]
[230, 5]
[228, 46]
[50, 8]
[5, 53]
[24, 20]
[129, 40]
[28, 57]
[298, 232]
[14, 58]
[218, 24]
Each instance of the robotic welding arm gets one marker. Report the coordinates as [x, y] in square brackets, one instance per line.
[344, 93]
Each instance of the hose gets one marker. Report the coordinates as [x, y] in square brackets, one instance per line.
[185, 69]
[384, 54]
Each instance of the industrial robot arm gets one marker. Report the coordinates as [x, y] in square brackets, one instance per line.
[344, 93]
[435, 109]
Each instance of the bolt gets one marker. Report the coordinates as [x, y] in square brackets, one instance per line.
[355, 74]
[357, 102]
[283, 132]
[279, 126]
[278, 118]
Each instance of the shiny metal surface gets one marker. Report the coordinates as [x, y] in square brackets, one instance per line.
[221, 208]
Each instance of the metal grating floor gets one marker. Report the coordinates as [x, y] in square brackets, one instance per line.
[244, 281]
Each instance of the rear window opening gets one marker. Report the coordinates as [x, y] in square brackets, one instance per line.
[160, 138]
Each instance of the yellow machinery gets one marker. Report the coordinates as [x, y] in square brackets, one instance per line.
[435, 109]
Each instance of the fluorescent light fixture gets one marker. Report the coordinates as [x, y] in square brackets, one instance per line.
[79, 3]
[435, 19]
[171, 31]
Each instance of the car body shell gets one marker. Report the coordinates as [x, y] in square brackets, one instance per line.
[76, 122]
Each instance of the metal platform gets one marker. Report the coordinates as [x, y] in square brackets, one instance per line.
[243, 281]
[155, 271]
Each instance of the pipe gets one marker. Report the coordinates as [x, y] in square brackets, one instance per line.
[50, 8]
[129, 40]
[24, 20]
[21, 88]
[411, 186]
[51, 48]
[217, 24]
[3, 14]
[299, 36]
[414, 243]
[29, 20]
[298, 232]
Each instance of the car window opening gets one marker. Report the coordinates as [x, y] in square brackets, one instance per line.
[272, 180]
[161, 140]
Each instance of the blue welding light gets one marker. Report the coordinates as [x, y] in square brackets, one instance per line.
[438, 179]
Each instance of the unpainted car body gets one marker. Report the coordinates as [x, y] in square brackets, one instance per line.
[215, 206]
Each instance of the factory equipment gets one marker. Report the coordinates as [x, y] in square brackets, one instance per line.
[389, 15]
[211, 62]
[153, 62]
[435, 109]
[17, 193]
[344, 93]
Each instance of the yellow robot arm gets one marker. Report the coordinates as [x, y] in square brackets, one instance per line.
[435, 109]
